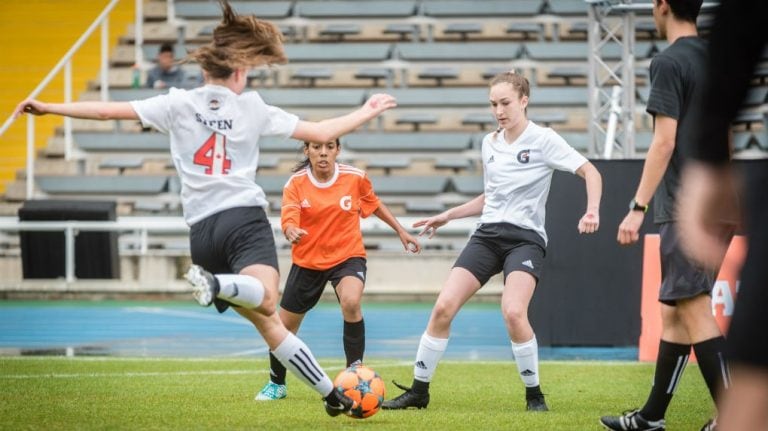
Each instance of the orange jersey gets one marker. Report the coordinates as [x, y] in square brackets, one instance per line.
[330, 213]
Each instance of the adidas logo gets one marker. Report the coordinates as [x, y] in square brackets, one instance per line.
[236, 290]
[421, 365]
[527, 373]
[491, 160]
[528, 263]
[362, 275]
[305, 203]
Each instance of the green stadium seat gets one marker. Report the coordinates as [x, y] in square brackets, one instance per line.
[407, 142]
[409, 184]
[122, 142]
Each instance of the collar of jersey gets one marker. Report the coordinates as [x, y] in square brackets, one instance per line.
[326, 184]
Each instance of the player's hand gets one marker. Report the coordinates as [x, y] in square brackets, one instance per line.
[707, 212]
[379, 103]
[29, 106]
[410, 243]
[431, 224]
[629, 229]
[294, 234]
[589, 222]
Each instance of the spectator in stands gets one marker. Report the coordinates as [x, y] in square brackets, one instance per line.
[518, 159]
[708, 204]
[166, 73]
[214, 132]
[677, 85]
[322, 205]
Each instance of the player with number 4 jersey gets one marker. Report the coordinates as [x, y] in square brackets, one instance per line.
[214, 132]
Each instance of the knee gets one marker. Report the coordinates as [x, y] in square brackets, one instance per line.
[269, 303]
[515, 315]
[443, 313]
[350, 309]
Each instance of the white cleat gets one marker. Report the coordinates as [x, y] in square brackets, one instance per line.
[204, 285]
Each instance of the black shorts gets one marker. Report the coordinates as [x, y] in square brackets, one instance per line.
[304, 287]
[680, 278]
[502, 246]
[230, 240]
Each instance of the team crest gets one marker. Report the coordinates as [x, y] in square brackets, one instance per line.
[214, 105]
[524, 156]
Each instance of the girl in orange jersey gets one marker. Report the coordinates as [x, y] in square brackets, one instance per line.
[322, 205]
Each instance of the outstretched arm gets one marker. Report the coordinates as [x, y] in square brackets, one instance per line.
[329, 130]
[86, 110]
[467, 209]
[590, 221]
[409, 242]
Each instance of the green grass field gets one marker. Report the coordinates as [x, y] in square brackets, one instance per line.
[123, 393]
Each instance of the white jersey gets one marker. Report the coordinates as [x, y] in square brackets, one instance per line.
[215, 144]
[517, 175]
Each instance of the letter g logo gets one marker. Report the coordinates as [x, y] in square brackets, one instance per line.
[345, 203]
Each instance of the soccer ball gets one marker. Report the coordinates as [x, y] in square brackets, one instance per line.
[363, 385]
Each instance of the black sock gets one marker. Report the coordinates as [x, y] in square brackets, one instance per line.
[354, 341]
[276, 370]
[420, 387]
[533, 392]
[670, 364]
[712, 363]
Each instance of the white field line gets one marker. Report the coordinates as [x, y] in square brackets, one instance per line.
[187, 314]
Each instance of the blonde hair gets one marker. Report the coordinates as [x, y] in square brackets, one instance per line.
[240, 41]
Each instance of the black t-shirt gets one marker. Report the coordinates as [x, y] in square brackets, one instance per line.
[677, 85]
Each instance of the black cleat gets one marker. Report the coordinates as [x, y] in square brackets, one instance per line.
[536, 404]
[338, 404]
[406, 399]
[631, 420]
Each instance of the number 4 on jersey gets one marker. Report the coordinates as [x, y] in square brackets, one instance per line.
[213, 155]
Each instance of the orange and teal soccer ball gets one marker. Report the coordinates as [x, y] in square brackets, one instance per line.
[363, 385]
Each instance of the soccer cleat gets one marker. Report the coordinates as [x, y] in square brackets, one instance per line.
[406, 399]
[204, 285]
[536, 404]
[272, 391]
[631, 420]
[342, 404]
[711, 425]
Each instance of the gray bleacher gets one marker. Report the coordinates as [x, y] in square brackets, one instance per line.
[459, 51]
[336, 52]
[121, 142]
[409, 184]
[485, 8]
[211, 10]
[356, 9]
[109, 185]
[407, 142]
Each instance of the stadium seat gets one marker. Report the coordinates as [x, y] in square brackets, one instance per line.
[417, 119]
[407, 142]
[404, 31]
[485, 8]
[348, 51]
[439, 74]
[121, 163]
[567, 7]
[422, 206]
[526, 29]
[356, 9]
[211, 10]
[272, 184]
[314, 97]
[311, 75]
[458, 51]
[388, 163]
[566, 51]
[484, 120]
[340, 31]
[409, 184]
[463, 29]
[376, 74]
[122, 142]
[105, 184]
[468, 185]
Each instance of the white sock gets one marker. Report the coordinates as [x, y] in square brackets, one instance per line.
[242, 290]
[296, 356]
[430, 352]
[527, 359]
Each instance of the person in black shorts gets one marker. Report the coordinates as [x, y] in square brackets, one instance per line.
[321, 209]
[709, 204]
[677, 85]
[518, 162]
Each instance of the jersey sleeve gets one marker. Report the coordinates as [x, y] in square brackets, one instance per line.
[290, 210]
[369, 202]
[154, 112]
[560, 155]
[280, 123]
[666, 93]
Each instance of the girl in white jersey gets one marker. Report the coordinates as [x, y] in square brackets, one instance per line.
[518, 161]
[214, 132]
